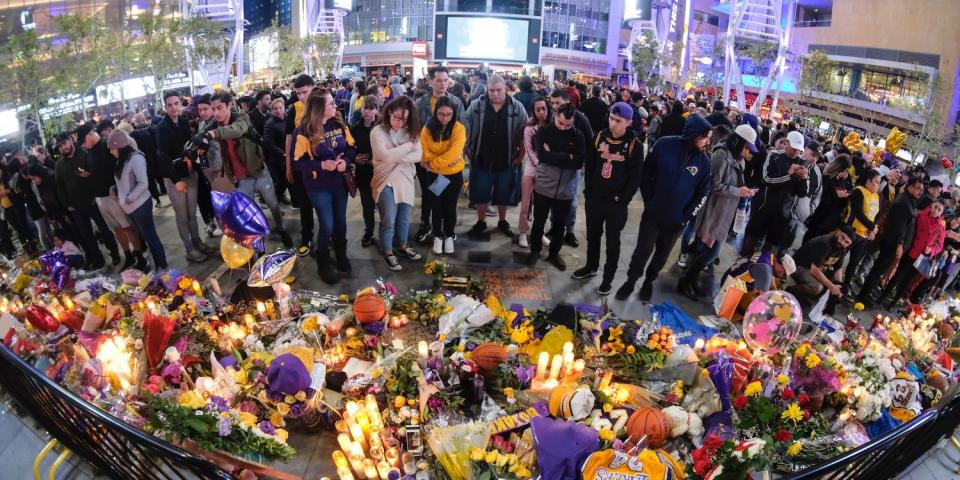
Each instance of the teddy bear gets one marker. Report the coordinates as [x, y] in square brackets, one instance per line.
[682, 422]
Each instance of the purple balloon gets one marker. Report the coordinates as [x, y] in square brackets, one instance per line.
[61, 275]
[240, 218]
[50, 259]
[562, 447]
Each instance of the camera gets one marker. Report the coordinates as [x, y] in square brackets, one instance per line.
[196, 151]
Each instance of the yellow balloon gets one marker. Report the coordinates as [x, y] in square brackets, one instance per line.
[234, 254]
[688, 86]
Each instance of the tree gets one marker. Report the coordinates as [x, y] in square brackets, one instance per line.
[815, 73]
[287, 50]
[322, 51]
[645, 56]
[23, 54]
[167, 46]
[929, 139]
[81, 59]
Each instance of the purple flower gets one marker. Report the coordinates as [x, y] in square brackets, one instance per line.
[392, 290]
[267, 428]
[223, 427]
[297, 409]
[171, 373]
[219, 403]
[248, 406]
[525, 374]
[435, 404]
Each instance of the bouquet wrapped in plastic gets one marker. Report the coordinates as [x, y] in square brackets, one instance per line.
[452, 445]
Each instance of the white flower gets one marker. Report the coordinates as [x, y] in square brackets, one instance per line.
[715, 473]
[755, 446]
[172, 355]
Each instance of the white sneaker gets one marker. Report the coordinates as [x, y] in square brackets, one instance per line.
[682, 261]
[448, 245]
[546, 241]
[437, 246]
[523, 241]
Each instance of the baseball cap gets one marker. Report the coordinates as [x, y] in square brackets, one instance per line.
[622, 110]
[789, 265]
[749, 134]
[118, 139]
[796, 140]
[84, 130]
[62, 137]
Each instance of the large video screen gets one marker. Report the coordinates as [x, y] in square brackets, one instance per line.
[486, 38]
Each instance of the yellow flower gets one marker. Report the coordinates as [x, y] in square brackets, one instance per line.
[508, 392]
[858, 306]
[491, 456]
[282, 434]
[461, 347]
[501, 460]
[310, 324]
[192, 399]
[793, 413]
[519, 336]
[276, 419]
[753, 389]
[631, 349]
[607, 407]
[607, 435]
[468, 355]
[512, 459]
[477, 454]
[783, 379]
[794, 449]
[399, 401]
[290, 399]
[522, 472]
[283, 408]
[248, 419]
[443, 338]
[802, 350]
[813, 360]
[301, 396]
[411, 402]
[376, 373]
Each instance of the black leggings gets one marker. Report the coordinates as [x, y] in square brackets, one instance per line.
[443, 208]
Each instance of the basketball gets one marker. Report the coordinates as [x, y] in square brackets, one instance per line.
[650, 422]
[488, 356]
[369, 307]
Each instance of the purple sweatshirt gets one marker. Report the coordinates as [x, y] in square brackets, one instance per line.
[307, 159]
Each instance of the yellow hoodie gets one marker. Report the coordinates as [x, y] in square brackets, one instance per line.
[444, 157]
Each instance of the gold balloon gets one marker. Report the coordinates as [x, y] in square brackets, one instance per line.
[234, 254]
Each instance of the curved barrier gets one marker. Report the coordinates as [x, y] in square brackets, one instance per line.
[888, 455]
[109, 445]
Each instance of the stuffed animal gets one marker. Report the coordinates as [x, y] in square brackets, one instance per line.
[682, 422]
[702, 399]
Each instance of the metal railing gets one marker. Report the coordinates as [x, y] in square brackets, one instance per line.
[112, 447]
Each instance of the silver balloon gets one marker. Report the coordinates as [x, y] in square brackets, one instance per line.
[271, 269]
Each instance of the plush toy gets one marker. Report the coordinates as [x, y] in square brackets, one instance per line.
[682, 422]
[702, 399]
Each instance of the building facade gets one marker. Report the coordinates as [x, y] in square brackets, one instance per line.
[261, 13]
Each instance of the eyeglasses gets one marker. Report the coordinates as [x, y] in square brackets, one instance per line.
[399, 118]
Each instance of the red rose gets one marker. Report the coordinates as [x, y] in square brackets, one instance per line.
[783, 435]
[804, 398]
[739, 402]
[786, 394]
[713, 442]
[806, 415]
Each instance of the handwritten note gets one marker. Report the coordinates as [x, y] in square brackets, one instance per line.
[520, 285]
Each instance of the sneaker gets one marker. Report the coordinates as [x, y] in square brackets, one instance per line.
[504, 226]
[213, 230]
[367, 240]
[423, 234]
[546, 241]
[533, 258]
[304, 249]
[522, 241]
[448, 245]
[285, 238]
[571, 239]
[393, 263]
[437, 246]
[195, 256]
[584, 272]
[410, 254]
[478, 229]
[646, 292]
[605, 287]
[625, 290]
[159, 204]
[203, 247]
[682, 261]
[556, 261]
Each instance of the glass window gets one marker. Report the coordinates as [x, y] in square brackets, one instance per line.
[384, 21]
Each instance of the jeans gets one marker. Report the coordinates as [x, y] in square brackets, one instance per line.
[45, 232]
[572, 216]
[262, 183]
[185, 209]
[542, 207]
[367, 205]
[204, 201]
[394, 220]
[688, 238]
[701, 256]
[331, 207]
[443, 208]
[525, 200]
[82, 217]
[142, 219]
[654, 243]
[302, 202]
[602, 214]
[885, 258]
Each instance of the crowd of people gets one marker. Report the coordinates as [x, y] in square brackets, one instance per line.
[806, 213]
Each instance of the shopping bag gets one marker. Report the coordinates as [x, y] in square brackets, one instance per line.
[726, 301]
[925, 266]
[685, 329]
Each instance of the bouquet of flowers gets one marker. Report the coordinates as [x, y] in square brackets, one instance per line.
[727, 459]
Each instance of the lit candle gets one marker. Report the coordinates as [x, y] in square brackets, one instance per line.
[352, 408]
[356, 452]
[345, 474]
[384, 469]
[357, 433]
[422, 348]
[339, 459]
[370, 469]
[344, 440]
[196, 288]
[555, 367]
[67, 302]
[578, 366]
[248, 319]
[341, 427]
[393, 456]
[567, 366]
[262, 310]
[698, 345]
[567, 348]
[542, 361]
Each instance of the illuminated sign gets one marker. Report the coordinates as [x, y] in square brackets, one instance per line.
[420, 49]
[338, 5]
[637, 10]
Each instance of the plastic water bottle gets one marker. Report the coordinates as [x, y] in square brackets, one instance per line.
[743, 215]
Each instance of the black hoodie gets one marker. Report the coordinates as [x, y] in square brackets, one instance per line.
[672, 123]
[618, 182]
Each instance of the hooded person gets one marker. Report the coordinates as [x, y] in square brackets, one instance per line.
[673, 122]
[727, 165]
[611, 178]
[674, 183]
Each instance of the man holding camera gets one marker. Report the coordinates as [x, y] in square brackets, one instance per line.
[243, 156]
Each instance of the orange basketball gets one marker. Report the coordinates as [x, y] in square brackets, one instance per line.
[369, 307]
[650, 422]
[488, 356]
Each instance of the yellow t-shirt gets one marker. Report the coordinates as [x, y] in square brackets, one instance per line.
[647, 465]
[871, 206]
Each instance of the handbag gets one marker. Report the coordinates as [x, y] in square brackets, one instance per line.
[925, 266]
[351, 181]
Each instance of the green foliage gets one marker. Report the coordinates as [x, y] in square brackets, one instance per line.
[288, 50]
[815, 73]
[322, 52]
[645, 55]
[27, 82]
[171, 45]
[403, 380]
